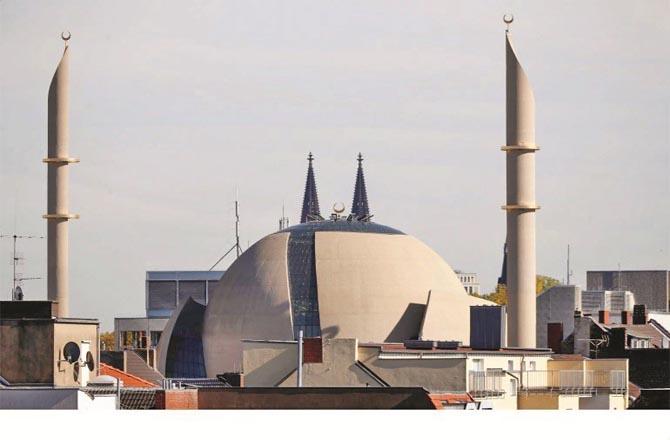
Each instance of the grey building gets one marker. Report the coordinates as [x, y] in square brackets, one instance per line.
[651, 287]
[164, 291]
[556, 304]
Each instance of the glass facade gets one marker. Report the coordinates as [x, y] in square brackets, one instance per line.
[185, 356]
[302, 284]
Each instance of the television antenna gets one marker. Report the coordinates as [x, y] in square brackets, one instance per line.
[569, 271]
[283, 221]
[236, 247]
[17, 259]
[596, 343]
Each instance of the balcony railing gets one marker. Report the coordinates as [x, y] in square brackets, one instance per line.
[574, 381]
[487, 383]
[498, 382]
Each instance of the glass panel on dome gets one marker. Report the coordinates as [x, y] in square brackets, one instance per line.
[302, 283]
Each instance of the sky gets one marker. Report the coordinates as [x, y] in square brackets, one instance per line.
[175, 106]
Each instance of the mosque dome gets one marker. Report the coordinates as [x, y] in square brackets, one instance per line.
[342, 277]
[334, 278]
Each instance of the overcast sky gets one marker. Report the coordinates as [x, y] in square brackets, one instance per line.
[174, 104]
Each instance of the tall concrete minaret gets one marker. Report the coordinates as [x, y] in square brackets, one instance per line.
[57, 161]
[520, 206]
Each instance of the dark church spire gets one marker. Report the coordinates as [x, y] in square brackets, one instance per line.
[359, 208]
[310, 202]
[503, 276]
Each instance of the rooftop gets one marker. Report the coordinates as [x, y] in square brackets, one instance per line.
[128, 380]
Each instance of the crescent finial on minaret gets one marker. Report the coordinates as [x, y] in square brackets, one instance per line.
[508, 19]
[65, 36]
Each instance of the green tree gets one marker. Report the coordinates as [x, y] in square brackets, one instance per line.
[107, 341]
[499, 296]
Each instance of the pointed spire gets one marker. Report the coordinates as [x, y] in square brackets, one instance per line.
[310, 201]
[502, 279]
[359, 208]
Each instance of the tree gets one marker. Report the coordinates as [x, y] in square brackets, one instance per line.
[542, 283]
[107, 341]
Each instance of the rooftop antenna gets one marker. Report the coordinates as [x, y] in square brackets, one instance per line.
[283, 221]
[569, 271]
[236, 247]
[17, 292]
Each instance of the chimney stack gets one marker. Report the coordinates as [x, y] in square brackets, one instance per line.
[626, 317]
[58, 161]
[639, 314]
[604, 316]
[520, 204]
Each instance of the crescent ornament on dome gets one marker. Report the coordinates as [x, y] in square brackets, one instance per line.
[65, 36]
[341, 208]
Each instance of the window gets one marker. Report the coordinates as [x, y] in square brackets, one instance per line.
[533, 366]
[510, 365]
[478, 364]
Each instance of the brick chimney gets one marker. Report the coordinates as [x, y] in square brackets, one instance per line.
[626, 317]
[604, 317]
[555, 336]
[639, 314]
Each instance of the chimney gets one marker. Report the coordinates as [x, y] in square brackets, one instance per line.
[555, 336]
[639, 314]
[617, 344]
[604, 316]
[626, 317]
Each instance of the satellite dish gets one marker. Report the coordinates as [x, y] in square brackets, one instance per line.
[71, 352]
[90, 363]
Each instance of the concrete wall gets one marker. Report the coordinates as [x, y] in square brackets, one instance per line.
[26, 351]
[556, 304]
[266, 364]
[338, 369]
[64, 372]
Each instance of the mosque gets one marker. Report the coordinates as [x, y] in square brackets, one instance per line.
[344, 276]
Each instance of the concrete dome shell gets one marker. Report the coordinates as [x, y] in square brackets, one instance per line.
[372, 286]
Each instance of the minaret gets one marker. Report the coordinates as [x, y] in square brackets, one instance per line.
[359, 207]
[58, 161]
[310, 202]
[521, 206]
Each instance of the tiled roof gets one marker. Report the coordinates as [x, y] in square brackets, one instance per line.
[442, 400]
[642, 331]
[128, 379]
